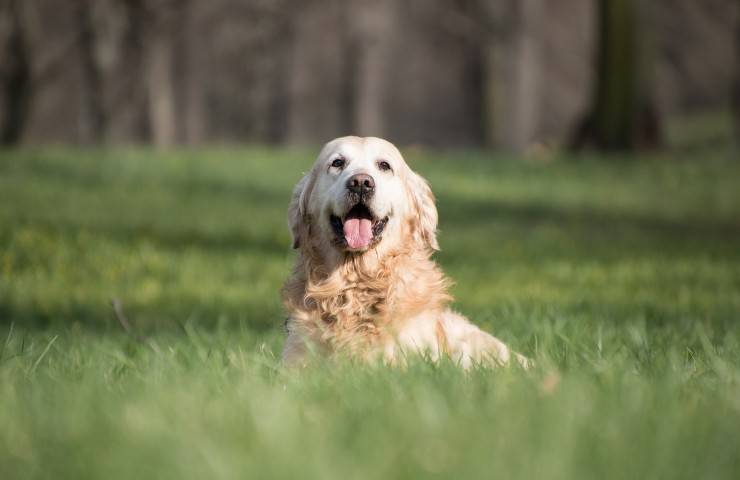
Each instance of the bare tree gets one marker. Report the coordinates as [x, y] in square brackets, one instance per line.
[94, 121]
[15, 76]
[511, 64]
[623, 114]
[366, 61]
[160, 70]
[283, 18]
[192, 128]
[736, 87]
[526, 72]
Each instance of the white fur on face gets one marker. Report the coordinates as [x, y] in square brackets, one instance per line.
[360, 155]
[401, 196]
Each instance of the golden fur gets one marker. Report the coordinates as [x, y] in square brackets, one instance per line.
[387, 300]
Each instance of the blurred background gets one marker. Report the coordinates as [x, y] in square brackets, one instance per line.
[511, 74]
[585, 162]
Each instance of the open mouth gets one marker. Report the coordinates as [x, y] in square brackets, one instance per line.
[359, 229]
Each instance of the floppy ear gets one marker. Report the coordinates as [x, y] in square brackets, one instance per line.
[297, 210]
[425, 211]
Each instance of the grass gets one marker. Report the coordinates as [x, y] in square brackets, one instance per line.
[620, 276]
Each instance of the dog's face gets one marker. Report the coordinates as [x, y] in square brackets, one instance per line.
[359, 195]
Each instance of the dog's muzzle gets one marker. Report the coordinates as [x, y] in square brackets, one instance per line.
[359, 228]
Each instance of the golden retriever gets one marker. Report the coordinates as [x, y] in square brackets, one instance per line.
[364, 283]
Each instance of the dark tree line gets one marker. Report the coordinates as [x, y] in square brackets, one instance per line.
[508, 73]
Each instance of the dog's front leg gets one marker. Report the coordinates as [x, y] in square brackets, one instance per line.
[469, 345]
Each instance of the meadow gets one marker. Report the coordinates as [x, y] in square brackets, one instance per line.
[620, 276]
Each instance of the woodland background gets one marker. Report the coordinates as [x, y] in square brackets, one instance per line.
[507, 74]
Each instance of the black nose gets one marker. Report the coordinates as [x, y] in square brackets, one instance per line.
[361, 183]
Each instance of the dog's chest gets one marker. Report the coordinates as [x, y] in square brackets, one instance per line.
[356, 306]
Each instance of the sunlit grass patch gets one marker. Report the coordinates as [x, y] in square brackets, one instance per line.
[620, 278]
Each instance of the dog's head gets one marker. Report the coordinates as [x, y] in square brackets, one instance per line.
[361, 195]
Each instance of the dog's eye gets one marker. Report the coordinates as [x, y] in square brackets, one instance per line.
[338, 163]
[384, 166]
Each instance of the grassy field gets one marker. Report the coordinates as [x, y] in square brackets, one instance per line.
[620, 276]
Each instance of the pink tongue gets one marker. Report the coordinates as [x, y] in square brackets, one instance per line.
[358, 232]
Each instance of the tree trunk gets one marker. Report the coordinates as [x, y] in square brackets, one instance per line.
[489, 91]
[161, 89]
[623, 115]
[373, 25]
[366, 51]
[350, 62]
[193, 108]
[525, 85]
[94, 121]
[736, 92]
[16, 79]
[511, 62]
[279, 106]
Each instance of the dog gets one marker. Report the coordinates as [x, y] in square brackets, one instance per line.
[364, 284]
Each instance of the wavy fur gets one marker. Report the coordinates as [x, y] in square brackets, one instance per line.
[381, 302]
